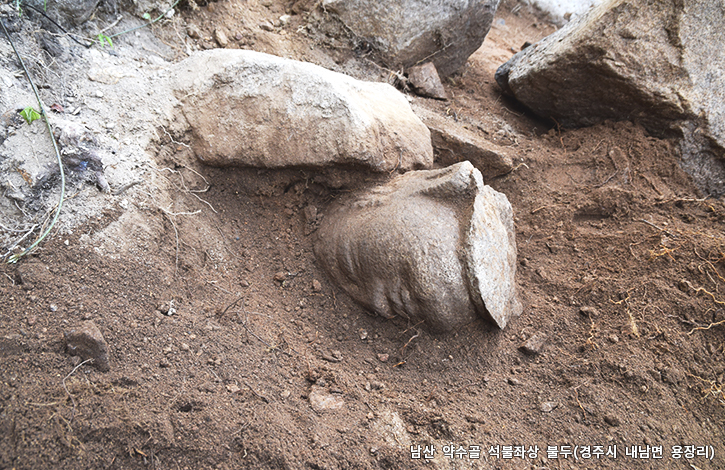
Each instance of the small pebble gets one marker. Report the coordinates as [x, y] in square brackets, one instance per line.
[588, 311]
[548, 406]
[316, 285]
[514, 381]
[193, 32]
[280, 276]
[383, 357]
[533, 345]
[612, 420]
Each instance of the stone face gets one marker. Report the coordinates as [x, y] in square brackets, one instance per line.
[246, 108]
[87, 342]
[434, 245]
[454, 143]
[408, 32]
[659, 63]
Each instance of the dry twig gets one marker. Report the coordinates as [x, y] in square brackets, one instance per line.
[73, 413]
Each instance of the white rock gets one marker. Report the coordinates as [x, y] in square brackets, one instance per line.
[247, 108]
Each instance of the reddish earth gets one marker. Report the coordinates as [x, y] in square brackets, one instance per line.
[622, 271]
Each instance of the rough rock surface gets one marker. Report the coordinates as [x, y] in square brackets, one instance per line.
[659, 63]
[65, 12]
[247, 108]
[434, 245]
[408, 32]
[87, 342]
[454, 143]
[151, 7]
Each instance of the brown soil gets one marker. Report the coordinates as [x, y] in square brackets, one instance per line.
[622, 270]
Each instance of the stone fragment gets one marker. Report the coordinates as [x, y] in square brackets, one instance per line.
[247, 108]
[334, 356]
[266, 26]
[548, 406]
[433, 245]
[425, 81]
[661, 64]
[193, 32]
[453, 143]
[221, 37]
[612, 420]
[588, 311]
[316, 285]
[79, 150]
[533, 345]
[406, 32]
[322, 400]
[87, 342]
[167, 308]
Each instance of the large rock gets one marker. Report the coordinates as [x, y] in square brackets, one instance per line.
[247, 108]
[659, 63]
[408, 32]
[433, 245]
